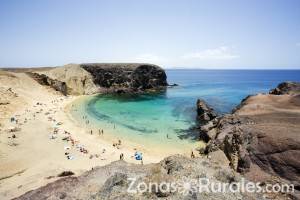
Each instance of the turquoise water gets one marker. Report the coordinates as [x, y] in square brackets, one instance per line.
[167, 118]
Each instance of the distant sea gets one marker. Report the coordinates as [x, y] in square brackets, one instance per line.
[165, 119]
[224, 89]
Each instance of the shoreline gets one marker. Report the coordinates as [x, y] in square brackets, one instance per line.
[112, 135]
[107, 140]
[36, 157]
[31, 159]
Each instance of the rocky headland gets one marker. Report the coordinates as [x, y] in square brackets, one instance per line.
[261, 137]
[92, 78]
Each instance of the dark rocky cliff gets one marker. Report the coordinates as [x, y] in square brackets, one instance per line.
[123, 77]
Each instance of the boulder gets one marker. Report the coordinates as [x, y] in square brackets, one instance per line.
[204, 112]
[172, 164]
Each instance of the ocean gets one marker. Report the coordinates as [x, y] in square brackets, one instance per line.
[167, 119]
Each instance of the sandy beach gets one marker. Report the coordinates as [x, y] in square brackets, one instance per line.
[32, 154]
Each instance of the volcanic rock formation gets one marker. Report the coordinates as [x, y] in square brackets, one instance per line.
[261, 138]
[92, 78]
[204, 112]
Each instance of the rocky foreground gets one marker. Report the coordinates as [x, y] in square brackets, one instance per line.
[112, 181]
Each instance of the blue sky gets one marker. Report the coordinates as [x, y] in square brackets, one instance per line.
[171, 33]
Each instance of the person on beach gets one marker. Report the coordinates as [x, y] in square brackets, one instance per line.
[102, 131]
[91, 132]
[192, 155]
[121, 156]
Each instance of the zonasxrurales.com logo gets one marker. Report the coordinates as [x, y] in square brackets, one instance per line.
[186, 186]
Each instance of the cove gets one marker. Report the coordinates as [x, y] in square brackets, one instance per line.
[167, 119]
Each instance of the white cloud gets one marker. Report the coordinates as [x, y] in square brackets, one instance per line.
[149, 58]
[205, 58]
[220, 53]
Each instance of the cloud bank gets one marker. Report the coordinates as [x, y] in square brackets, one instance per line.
[207, 57]
[219, 53]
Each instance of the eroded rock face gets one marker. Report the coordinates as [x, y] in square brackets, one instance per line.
[91, 78]
[231, 138]
[286, 88]
[78, 80]
[206, 118]
[204, 112]
[126, 77]
[261, 138]
[46, 80]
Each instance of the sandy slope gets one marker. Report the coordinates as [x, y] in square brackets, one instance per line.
[27, 160]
